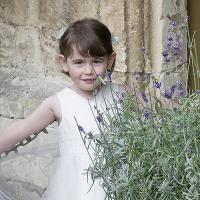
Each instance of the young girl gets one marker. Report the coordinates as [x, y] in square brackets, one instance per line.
[86, 53]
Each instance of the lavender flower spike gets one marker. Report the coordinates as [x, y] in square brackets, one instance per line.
[197, 92]
[173, 23]
[167, 94]
[109, 76]
[81, 129]
[144, 97]
[165, 53]
[99, 118]
[157, 84]
[173, 87]
[146, 115]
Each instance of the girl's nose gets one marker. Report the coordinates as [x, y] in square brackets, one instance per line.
[89, 69]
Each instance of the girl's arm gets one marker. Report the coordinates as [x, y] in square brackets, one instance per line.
[46, 113]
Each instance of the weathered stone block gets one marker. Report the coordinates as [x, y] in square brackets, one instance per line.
[113, 17]
[21, 93]
[14, 12]
[54, 13]
[7, 46]
[49, 49]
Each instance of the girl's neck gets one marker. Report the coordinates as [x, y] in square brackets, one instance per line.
[86, 94]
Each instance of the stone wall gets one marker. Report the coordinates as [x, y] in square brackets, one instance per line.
[29, 72]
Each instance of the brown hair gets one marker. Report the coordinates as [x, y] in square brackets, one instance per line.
[89, 35]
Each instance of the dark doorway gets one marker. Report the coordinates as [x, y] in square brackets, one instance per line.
[193, 7]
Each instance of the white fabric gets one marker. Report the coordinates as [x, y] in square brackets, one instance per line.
[69, 181]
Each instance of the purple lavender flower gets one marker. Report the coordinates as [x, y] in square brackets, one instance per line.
[172, 89]
[157, 84]
[165, 53]
[169, 44]
[176, 51]
[167, 94]
[180, 93]
[173, 23]
[96, 108]
[167, 60]
[170, 38]
[197, 92]
[178, 44]
[179, 85]
[81, 129]
[109, 76]
[144, 97]
[99, 118]
[142, 49]
[91, 136]
[146, 115]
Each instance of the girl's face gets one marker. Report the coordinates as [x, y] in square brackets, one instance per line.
[84, 71]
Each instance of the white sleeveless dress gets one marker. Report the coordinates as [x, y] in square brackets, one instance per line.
[70, 181]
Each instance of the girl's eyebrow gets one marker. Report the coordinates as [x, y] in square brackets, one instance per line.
[92, 58]
[77, 59]
[100, 58]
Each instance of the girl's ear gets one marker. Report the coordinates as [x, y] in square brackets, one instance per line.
[111, 61]
[63, 62]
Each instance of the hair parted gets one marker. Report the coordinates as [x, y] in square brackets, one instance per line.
[89, 35]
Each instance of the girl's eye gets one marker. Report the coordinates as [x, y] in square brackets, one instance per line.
[97, 61]
[78, 62]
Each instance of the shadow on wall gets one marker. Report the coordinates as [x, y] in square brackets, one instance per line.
[18, 190]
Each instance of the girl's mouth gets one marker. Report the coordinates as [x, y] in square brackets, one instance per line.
[89, 80]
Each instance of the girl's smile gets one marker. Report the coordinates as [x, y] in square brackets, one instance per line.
[89, 80]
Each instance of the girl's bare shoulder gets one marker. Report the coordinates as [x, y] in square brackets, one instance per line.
[53, 104]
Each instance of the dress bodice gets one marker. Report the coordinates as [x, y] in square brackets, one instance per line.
[79, 111]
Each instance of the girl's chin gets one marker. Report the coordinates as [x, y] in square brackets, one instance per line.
[91, 88]
[91, 85]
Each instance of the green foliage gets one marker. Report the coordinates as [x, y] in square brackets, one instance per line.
[150, 158]
[149, 150]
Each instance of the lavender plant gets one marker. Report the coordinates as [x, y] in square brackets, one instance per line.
[149, 147]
